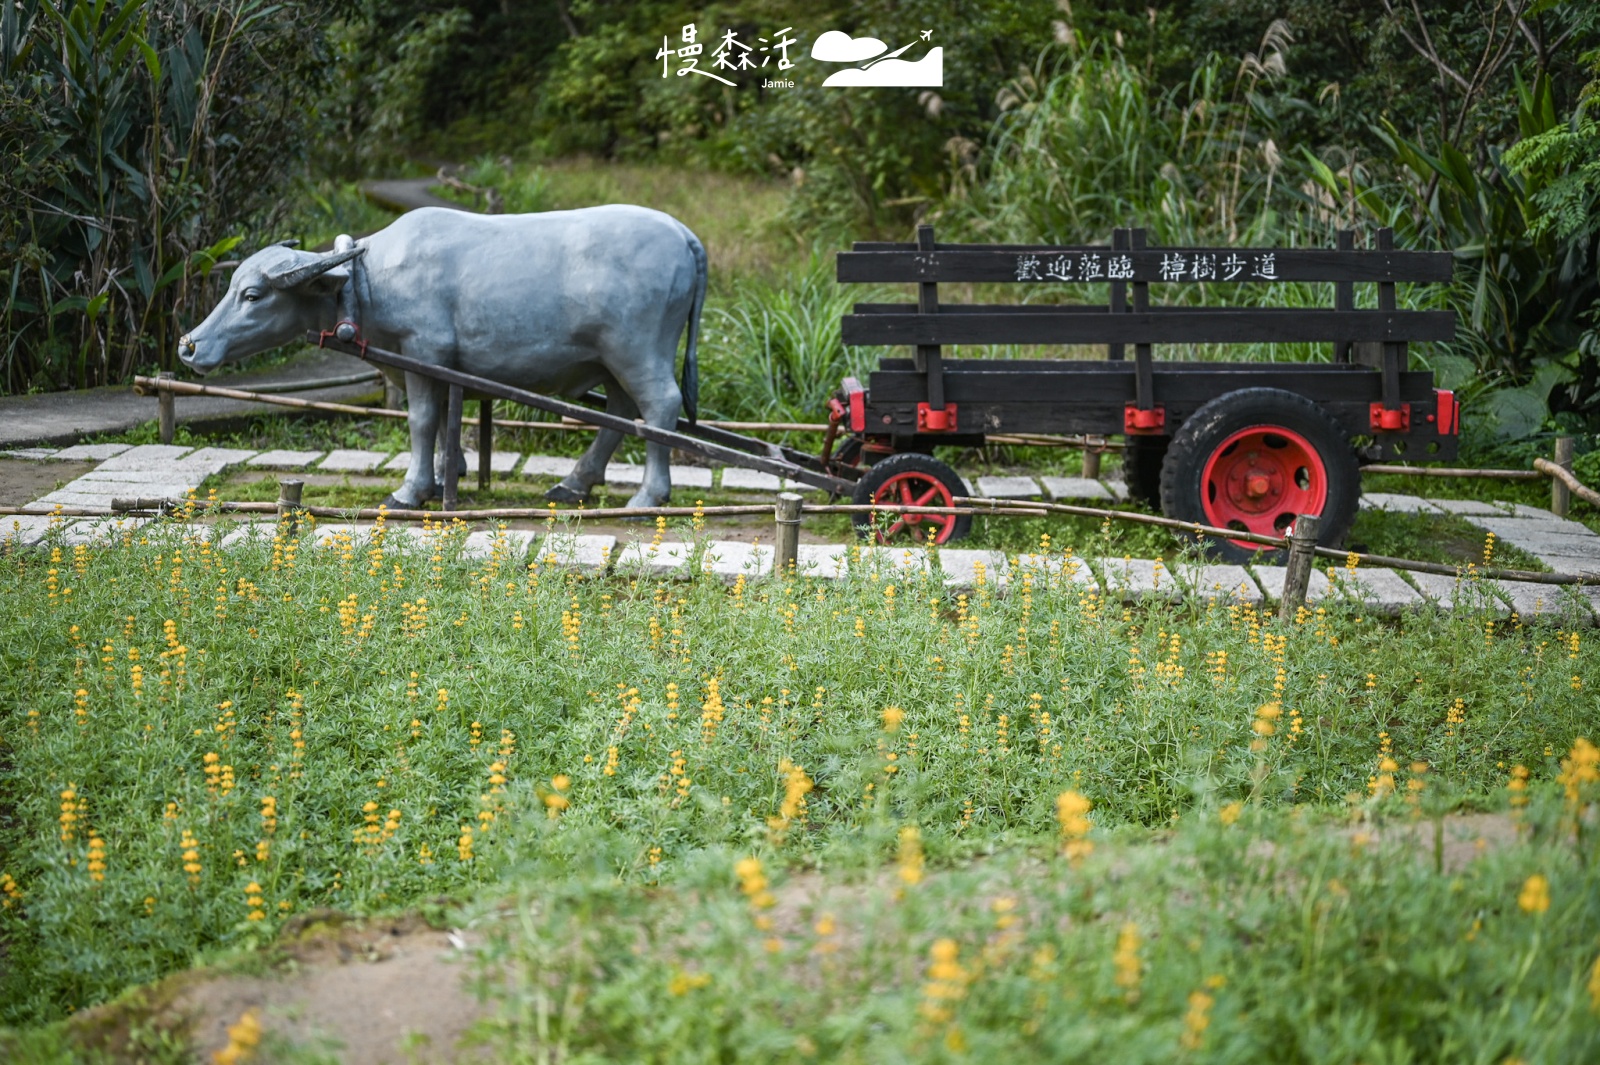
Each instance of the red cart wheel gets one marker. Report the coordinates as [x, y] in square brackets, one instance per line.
[1259, 478]
[1252, 460]
[912, 480]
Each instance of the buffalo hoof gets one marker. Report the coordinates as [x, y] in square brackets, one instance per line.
[562, 494]
[398, 504]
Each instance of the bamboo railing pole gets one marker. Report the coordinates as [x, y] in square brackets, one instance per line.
[1573, 485]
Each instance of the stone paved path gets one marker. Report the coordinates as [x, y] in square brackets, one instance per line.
[170, 471]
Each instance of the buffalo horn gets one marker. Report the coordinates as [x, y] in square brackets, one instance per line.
[299, 275]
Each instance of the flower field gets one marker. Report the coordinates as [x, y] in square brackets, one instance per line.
[788, 819]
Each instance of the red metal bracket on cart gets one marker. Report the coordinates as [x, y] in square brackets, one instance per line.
[1390, 419]
[936, 421]
[347, 332]
[1152, 422]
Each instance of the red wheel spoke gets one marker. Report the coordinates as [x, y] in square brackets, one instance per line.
[931, 493]
[888, 534]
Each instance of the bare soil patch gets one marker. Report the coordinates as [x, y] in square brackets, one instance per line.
[23, 480]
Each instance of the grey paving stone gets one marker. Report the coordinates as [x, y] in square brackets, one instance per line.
[790, 485]
[101, 530]
[171, 475]
[1396, 503]
[1468, 507]
[30, 453]
[888, 560]
[249, 532]
[1053, 570]
[1008, 487]
[738, 479]
[624, 473]
[143, 457]
[25, 530]
[960, 567]
[1549, 601]
[221, 457]
[690, 476]
[729, 559]
[1523, 510]
[346, 460]
[670, 558]
[147, 489]
[1452, 592]
[1512, 528]
[586, 552]
[499, 462]
[282, 459]
[101, 504]
[1224, 583]
[1584, 564]
[1137, 578]
[1379, 589]
[1271, 580]
[555, 466]
[481, 544]
[93, 452]
[1075, 488]
[1118, 490]
[329, 535]
[825, 561]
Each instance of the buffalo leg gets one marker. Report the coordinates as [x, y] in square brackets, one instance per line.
[659, 402]
[423, 418]
[591, 468]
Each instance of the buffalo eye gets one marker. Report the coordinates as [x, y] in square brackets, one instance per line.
[250, 295]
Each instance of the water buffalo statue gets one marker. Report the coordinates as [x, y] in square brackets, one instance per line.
[557, 302]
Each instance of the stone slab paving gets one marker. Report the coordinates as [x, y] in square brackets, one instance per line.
[1531, 601]
[347, 460]
[220, 457]
[25, 530]
[587, 552]
[91, 452]
[1222, 582]
[284, 459]
[334, 532]
[887, 561]
[1523, 510]
[555, 466]
[1075, 488]
[624, 473]
[961, 567]
[1467, 507]
[670, 558]
[826, 561]
[739, 479]
[1450, 592]
[1271, 580]
[34, 454]
[143, 457]
[481, 544]
[729, 560]
[499, 462]
[1074, 569]
[690, 476]
[99, 504]
[102, 530]
[1137, 578]
[1396, 503]
[250, 532]
[1380, 589]
[1008, 487]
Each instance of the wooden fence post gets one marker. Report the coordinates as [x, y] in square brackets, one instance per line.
[289, 503]
[166, 404]
[1297, 576]
[1560, 495]
[786, 541]
[1091, 463]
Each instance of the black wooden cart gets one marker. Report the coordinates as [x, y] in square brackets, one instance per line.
[1235, 445]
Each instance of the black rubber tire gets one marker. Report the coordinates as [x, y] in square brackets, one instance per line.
[1207, 428]
[879, 474]
[1142, 458]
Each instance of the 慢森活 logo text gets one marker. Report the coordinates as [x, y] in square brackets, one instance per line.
[863, 62]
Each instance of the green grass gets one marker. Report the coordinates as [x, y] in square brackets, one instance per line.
[549, 674]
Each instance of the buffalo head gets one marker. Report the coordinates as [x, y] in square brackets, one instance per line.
[273, 298]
